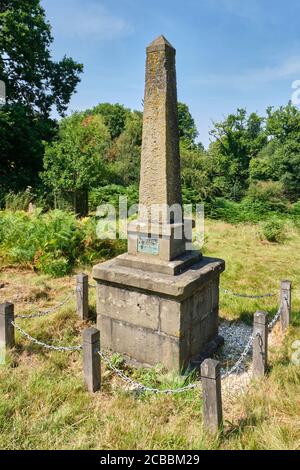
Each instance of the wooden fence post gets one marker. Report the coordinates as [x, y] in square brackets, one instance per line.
[212, 396]
[7, 330]
[260, 344]
[82, 294]
[286, 301]
[91, 359]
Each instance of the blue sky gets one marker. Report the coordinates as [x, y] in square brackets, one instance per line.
[230, 53]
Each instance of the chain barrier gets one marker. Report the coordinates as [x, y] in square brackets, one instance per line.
[275, 319]
[44, 345]
[141, 387]
[138, 386]
[46, 312]
[240, 361]
[246, 296]
[249, 344]
[235, 368]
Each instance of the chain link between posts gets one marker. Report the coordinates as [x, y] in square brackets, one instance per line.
[46, 312]
[246, 296]
[136, 385]
[44, 345]
[236, 367]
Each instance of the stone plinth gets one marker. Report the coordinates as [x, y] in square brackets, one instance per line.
[159, 302]
[158, 319]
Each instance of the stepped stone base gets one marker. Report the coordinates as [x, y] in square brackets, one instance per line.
[157, 318]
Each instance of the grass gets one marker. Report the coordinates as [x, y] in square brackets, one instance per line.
[43, 402]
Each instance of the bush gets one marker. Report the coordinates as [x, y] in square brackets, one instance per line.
[110, 195]
[266, 196]
[19, 201]
[52, 243]
[232, 212]
[273, 230]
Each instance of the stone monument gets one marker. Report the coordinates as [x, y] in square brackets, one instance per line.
[159, 302]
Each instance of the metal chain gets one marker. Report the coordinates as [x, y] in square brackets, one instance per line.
[46, 346]
[275, 319]
[236, 367]
[127, 379]
[248, 347]
[247, 296]
[46, 312]
[140, 386]
[240, 361]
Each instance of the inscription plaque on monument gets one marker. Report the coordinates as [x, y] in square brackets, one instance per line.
[159, 302]
[148, 245]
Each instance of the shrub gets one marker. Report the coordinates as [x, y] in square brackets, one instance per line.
[19, 201]
[52, 243]
[110, 194]
[266, 196]
[273, 230]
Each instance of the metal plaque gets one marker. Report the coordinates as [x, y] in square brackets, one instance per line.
[148, 245]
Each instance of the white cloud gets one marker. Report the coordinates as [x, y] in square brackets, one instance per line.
[84, 20]
[288, 69]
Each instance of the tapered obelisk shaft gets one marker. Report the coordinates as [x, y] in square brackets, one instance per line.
[160, 162]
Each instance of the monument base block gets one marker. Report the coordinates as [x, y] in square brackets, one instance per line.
[156, 318]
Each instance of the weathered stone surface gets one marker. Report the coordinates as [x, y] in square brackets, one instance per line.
[155, 326]
[260, 344]
[7, 330]
[154, 265]
[128, 306]
[159, 303]
[91, 359]
[211, 394]
[180, 287]
[160, 162]
[146, 346]
[160, 210]
[286, 299]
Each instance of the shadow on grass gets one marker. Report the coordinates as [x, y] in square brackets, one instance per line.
[246, 316]
[235, 430]
[92, 314]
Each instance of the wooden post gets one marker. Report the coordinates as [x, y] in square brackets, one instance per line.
[7, 330]
[260, 344]
[82, 290]
[91, 359]
[286, 301]
[212, 397]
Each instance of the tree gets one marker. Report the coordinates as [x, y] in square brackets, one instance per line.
[196, 172]
[126, 151]
[31, 76]
[279, 160]
[75, 161]
[114, 115]
[187, 127]
[237, 140]
[34, 85]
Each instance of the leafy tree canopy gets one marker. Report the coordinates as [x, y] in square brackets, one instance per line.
[187, 127]
[114, 115]
[237, 140]
[31, 76]
[76, 160]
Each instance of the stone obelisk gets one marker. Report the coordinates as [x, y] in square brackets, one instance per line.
[159, 303]
[160, 161]
[158, 238]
